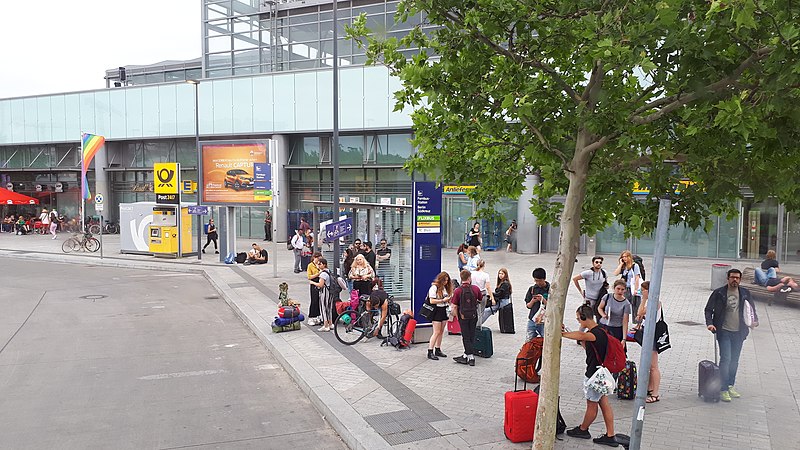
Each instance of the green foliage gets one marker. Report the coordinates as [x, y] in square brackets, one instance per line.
[655, 93]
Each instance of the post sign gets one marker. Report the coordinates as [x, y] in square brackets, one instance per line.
[166, 183]
[338, 229]
[427, 242]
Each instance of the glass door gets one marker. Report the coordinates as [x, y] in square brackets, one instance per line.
[457, 220]
[791, 240]
[760, 231]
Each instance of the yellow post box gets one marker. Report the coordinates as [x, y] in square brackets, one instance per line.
[164, 235]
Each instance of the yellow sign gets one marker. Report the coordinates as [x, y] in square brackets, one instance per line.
[165, 178]
[639, 190]
[188, 187]
[461, 189]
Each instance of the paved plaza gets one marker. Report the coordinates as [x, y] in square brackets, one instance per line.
[378, 397]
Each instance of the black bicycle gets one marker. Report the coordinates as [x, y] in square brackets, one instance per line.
[352, 326]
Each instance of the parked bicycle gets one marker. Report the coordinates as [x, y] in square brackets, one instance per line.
[83, 242]
[111, 227]
[351, 326]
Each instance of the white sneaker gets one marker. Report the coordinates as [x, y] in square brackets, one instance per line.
[55, 237]
[323, 329]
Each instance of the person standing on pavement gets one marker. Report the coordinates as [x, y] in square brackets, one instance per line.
[536, 301]
[312, 272]
[615, 311]
[325, 297]
[473, 257]
[44, 218]
[369, 255]
[211, 235]
[268, 226]
[654, 385]
[474, 236]
[382, 255]
[511, 235]
[439, 295]
[297, 246]
[465, 303]
[484, 282]
[725, 317]
[595, 343]
[53, 220]
[304, 226]
[596, 281]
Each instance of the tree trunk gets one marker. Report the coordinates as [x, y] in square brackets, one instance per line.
[546, 414]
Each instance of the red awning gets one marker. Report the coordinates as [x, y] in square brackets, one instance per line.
[12, 198]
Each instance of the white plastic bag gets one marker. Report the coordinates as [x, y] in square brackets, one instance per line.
[602, 381]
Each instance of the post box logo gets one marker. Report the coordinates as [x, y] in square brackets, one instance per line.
[166, 178]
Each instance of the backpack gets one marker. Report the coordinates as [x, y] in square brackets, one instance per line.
[638, 261]
[604, 288]
[337, 284]
[531, 354]
[615, 354]
[397, 339]
[468, 306]
[561, 425]
[241, 257]
[230, 259]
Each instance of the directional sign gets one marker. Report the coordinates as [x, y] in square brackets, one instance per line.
[98, 198]
[198, 210]
[338, 229]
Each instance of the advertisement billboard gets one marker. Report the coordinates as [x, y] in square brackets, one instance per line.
[229, 172]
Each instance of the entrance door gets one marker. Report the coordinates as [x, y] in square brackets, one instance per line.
[457, 216]
[760, 231]
[791, 242]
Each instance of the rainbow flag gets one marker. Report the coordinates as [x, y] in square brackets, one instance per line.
[90, 145]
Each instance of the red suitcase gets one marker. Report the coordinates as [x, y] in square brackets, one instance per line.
[453, 327]
[520, 415]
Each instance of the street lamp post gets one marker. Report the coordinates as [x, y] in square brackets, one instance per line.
[335, 143]
[196, 84]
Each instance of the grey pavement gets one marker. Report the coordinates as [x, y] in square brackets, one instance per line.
[103, 357]
[379, 397]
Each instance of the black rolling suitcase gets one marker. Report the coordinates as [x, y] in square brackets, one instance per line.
[506, 319]
[709, 379]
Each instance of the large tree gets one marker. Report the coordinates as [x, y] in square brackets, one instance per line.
[595, 96]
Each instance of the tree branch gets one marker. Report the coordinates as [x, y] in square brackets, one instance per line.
[676, 101]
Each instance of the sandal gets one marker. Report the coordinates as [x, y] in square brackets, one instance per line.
[651, 398]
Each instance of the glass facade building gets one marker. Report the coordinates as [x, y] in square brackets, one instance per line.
[265, 72]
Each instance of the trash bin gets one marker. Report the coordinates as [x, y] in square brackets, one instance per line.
[719, 275]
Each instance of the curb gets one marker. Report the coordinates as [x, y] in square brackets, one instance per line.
[351, 427]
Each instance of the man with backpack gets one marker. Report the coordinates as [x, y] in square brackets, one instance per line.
[596, 343]
[596, 282]
[465, 307]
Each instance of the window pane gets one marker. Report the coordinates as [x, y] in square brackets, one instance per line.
[398, 150]
[351, 149]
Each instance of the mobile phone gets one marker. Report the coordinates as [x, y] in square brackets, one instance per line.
[566, 329]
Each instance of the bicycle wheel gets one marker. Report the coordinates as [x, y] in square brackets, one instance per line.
[94, 228]
[347, 328]
[70, 245]
[112, 228]
[91, 244]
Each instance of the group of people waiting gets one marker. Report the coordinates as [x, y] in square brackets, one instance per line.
[45, 222]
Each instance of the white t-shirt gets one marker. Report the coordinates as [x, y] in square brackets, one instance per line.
[432, 294]
[472, 263]
[480, 279]
[45, 218]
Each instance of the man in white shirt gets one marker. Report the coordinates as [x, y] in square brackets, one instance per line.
[595, 280]
[44, 217]
[297, 247]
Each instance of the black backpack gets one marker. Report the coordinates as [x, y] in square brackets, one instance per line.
[561, 425]
[241, 257]
[468, 304]
[638, 261]
[396, 339]
[604, 288]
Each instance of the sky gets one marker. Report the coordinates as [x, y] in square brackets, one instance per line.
[51, 46]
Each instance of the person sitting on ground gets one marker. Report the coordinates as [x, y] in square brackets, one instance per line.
[256, 255]
[783, 285]
[769, 269]
[22, 225]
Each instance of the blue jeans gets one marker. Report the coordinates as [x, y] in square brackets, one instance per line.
[730, 347]
[761, 277]
[534, 330]
[487, 312]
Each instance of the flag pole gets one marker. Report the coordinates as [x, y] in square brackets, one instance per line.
[83, 193]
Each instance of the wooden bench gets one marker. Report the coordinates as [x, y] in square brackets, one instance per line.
[759, 291]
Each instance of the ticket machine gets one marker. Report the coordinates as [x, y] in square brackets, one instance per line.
[164, 232]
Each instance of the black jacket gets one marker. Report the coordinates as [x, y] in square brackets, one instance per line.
[716, 307]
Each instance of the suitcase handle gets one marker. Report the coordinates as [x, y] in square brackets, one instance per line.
[516, 377]
[715, 349]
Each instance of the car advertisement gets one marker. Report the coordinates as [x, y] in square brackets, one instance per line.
[229, 173]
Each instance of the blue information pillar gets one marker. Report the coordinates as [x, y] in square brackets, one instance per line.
[427, 243]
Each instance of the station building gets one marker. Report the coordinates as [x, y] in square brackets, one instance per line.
[266, 73]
